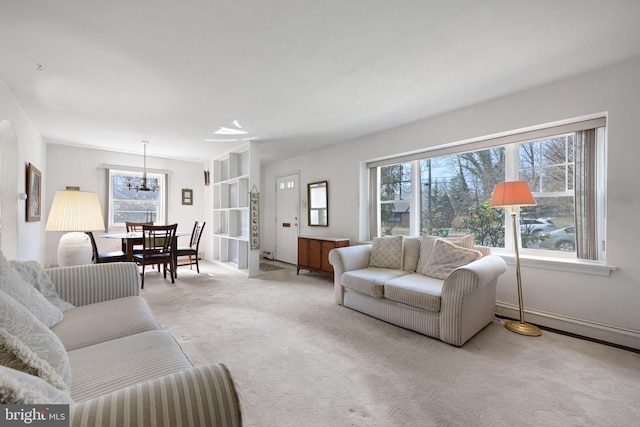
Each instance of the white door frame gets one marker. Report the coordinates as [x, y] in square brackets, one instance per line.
[290, 253]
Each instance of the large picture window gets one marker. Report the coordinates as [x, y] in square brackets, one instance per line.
[128, 204]
[447, 192]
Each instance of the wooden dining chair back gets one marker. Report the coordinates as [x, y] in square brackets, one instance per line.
[135, 227]
[192, 251]
[99, 258]
[157, 241]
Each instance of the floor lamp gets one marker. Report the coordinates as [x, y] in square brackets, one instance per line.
[510, 195]
[75, 212]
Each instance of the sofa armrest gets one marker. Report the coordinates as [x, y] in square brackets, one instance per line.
[89, 284]
[203, 396]
[347, 259]
[468, 299]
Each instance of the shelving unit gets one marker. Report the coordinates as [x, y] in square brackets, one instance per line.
[233, 177]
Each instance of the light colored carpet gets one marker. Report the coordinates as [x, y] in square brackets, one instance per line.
[301, 360]
[269, 266]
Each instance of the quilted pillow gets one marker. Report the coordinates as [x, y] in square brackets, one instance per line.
[411, 253]
[386, 252]
[14, 285]
[18, 388]
[32, 272]
[15, 354]
[18, 322]
[465, 241]
[426, 247]
[446, 257]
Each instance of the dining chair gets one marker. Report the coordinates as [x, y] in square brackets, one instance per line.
[135, 227]
[192, 250]
[157, 241]
[99, 258]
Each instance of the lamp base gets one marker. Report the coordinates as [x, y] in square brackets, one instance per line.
[74, 249]
[522, 328]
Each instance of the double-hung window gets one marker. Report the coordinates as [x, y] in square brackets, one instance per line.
[447, 191]
[127, 204]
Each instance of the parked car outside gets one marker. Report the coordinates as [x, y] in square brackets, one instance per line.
[562, 239]
[535, 227]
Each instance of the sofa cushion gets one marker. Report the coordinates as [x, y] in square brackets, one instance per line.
[369, 281]
[386, 252]
[20, 323]
[484, 250]
[19, 388]
[446, 257]
[415, 290]
[411, 255]
[14, 285]
[119, 363]
[95, 323]
[33, 272]
[17, 355]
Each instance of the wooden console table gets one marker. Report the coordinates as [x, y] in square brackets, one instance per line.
[313, 253]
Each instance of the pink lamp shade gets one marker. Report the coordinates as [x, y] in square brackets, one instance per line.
[512, 193]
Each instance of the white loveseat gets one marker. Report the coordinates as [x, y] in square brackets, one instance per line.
[452, 308]
[98, 348]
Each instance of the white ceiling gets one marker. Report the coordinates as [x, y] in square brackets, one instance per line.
[297, 74]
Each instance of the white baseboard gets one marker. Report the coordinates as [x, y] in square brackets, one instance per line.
[585, 328]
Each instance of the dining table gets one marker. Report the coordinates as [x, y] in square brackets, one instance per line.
[133, 238]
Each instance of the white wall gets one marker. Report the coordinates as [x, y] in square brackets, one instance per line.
[80, 167]
[30, 149]
[601, 307]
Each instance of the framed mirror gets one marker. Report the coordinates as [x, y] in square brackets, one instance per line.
[318, 204]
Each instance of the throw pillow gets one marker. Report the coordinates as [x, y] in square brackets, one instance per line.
[466, 241]
[32, 272]
[446, 257]
[426, 247]
[386, 252]
[15, 354]
[411, 253]
[18, 388]
[15, 286]
[20, 323]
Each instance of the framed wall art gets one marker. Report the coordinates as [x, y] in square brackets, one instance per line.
[187, 196]
[34, 192]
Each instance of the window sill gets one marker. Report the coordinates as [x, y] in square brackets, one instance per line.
[592, 268]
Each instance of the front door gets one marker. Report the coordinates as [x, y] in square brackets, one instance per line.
[288, 202]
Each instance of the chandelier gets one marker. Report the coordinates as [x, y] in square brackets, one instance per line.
[143, 182]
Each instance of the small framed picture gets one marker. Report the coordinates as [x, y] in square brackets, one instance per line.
[187, 196]
[34, 188]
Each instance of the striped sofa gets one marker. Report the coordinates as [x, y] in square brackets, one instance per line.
[452, 309]
[125, 370]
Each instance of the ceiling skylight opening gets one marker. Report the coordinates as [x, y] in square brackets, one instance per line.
[233, 134]
[232, 140]
[229, 131]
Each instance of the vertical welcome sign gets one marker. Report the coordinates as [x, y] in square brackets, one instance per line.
[254, 218]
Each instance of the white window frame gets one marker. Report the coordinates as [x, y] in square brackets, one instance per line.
[162, 194]
[511, 141]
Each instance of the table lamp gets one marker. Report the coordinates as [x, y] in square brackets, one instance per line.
[510, 195]
[75, 212]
